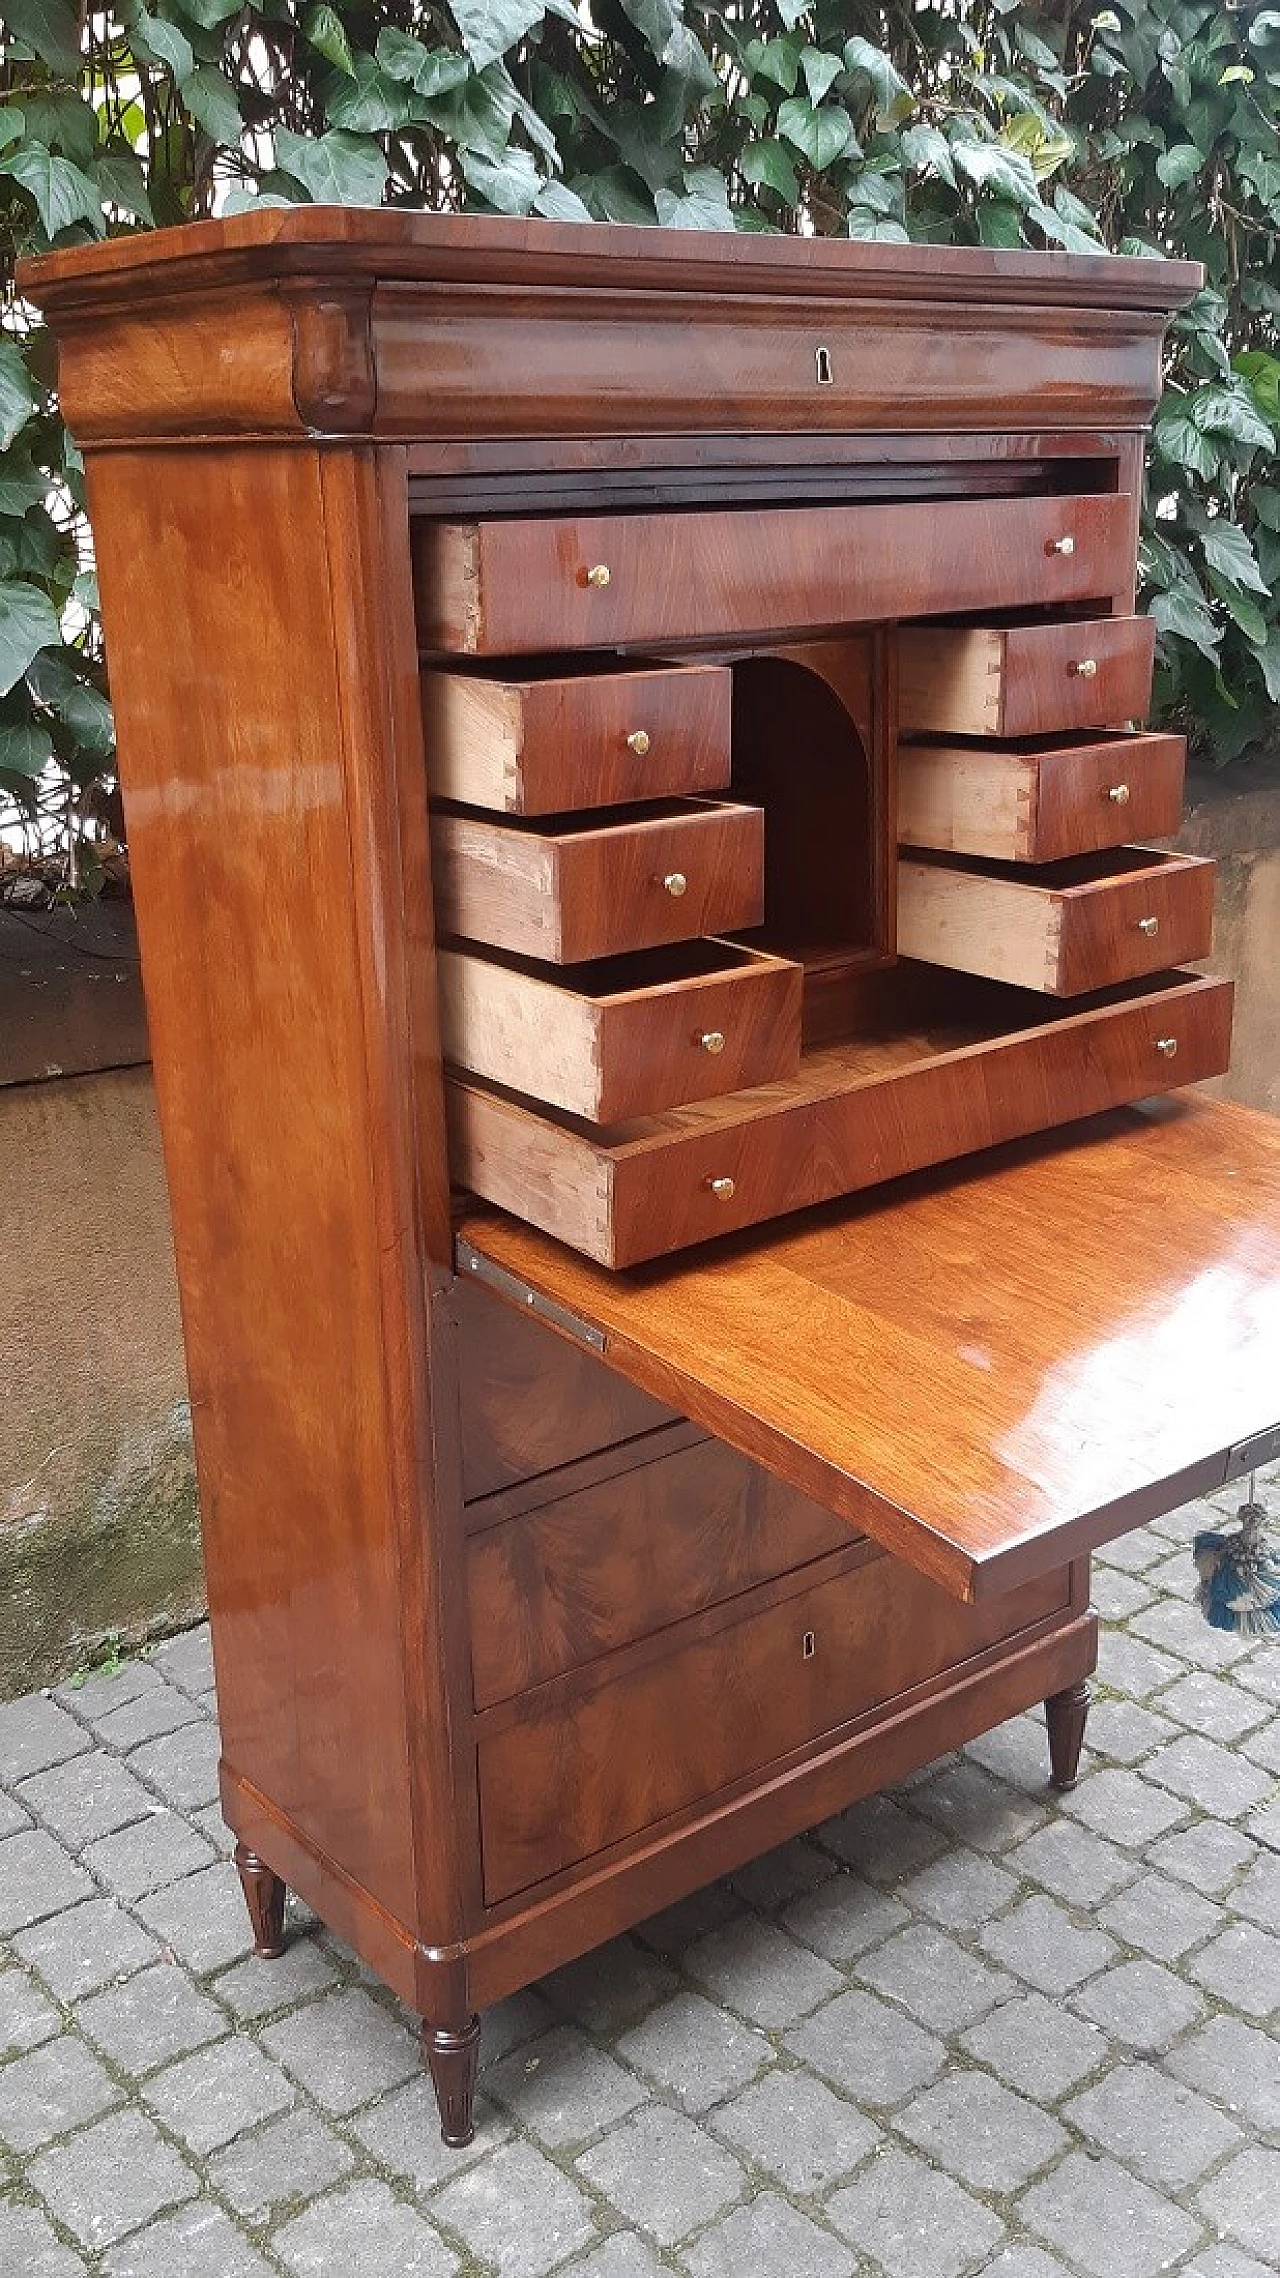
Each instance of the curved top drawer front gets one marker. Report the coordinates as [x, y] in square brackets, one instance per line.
[510, 588]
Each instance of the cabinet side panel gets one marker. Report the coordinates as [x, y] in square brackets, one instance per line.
[227, 673]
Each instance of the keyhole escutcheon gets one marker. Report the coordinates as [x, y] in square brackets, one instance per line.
[809, 1645]
[822, 361]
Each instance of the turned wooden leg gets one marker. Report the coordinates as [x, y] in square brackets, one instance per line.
[264, 1895]
[453, 2057]
[1066, 1713]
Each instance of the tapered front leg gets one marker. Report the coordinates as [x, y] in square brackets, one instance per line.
[264, 1895]
[453, 2056]
[1066, 1714]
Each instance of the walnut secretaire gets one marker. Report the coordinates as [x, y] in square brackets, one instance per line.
[733, 641]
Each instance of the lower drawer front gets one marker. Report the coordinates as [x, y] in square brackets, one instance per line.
[556, 1587]
[574, 1777]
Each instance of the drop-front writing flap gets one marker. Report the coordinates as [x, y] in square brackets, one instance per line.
[991, 1368]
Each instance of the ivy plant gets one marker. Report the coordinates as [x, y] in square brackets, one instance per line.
[1150, 126]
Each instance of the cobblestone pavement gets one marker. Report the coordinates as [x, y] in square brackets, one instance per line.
[963, 2028]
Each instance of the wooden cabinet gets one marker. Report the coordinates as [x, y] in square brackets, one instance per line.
[630, 751]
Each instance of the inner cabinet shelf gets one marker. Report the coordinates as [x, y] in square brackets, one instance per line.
[663, 1019]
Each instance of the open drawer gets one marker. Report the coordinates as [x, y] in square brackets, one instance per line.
[991, 1368]
[1063, 927]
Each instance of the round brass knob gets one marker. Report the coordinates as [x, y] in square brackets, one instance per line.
[1168, 1045]
[1085, 668]
[676, 884]
[598, 574]
[1061, 546]
[712, 1040]
[1148, 925]
[722, 1189]
[638, 742]
[1120, 793]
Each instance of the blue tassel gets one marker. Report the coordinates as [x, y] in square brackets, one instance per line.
[1240, 1576]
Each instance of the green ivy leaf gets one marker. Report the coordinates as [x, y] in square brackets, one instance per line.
[22, 486]
[894, 99]
[62, 193]
[820, 72]
[478, 114]
[13, 125]
[209, 13]
[25, 748]
[1265, 501]
[1227, 550]
[766, 165]
[335, 169]
[17, 395]
[85, 591]
[777, 60]
[874, 228]
[52, 28]
[791, 11]
[1178, 439]
[822, 136]
[1000, 223]
[1005, 173]
[84, 710]
[490, 27]
[1179, 165]
[509, 184]
[1183, 612]
[1267, 658]
[1246, 613]
[28, 623]
[122, 183]
[430, 71]
[559, 203]
[323, 29]
[368, 100]
[926, 151]
[212, 104]
[158, 41]
[1228, 411]
[705, 204]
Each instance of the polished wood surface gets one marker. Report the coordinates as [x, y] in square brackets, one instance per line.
[565, 741]
[1025, 680]
[1040, 803]
[1062, 1370]
[511, 587]
[586, 886]
[965, 1066]
[1065, 927]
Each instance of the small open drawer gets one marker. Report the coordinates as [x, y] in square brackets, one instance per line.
[1064, 927]
[991, 1368]
[571, 887]
[1039, 801]
[1024, 680]
[627, 1036]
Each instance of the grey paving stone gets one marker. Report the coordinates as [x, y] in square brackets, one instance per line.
[1126, 1808]
[1126, 1732]
[1140, 2003]
[1128, 1665]
[1116, 1594]
[562, 2089]
[92, 1795]
[89, 1946]
[198, 2242]
[142, 1858]
[94, 1693]
[216, 2094]
[26, 2018]
[254, 1988]
[13, 1819]
[521, 2017]
[868, 2048]
[211, 1824]
[1161, 2128]
[1257, 1895]
[1243, 2200]
[1132, 1552]
[1180, 1627]
[880, 1841]
[1040, 1942]
[187, 1660]
[842, 1917]
[1236, 2064]
[1264, 1826]
[30, 2249]
[698, 2053]
[182, 1766]
[1242, 1966]
[677, 1926]
[1017, 1752]
[1262, 1676]
[111, 2178]
[162, 1708]
[402, 2131]
[771, 2240]
[290, 2159]
[794, 2127]
[1226, 2262]
[1208, 1856]
[664, 2173]
[1219, 1710]
[35, 1733]
[1263, 1745]
[1037, 2046]
[37, 1879]
[516, 2211]
[1216, 1778]
[1161, 1917]
[156, 2015]
[913, 2222]
[624, 2255]
[344, 2049]
[980, 2131]
[939, 1981]
[1023, 2262]
[753, 1967]
[1106, 2220]
[52, 2090]
[363, 2228]
[1073, 1863]
[972, 1806]
[960, 1891]
[201, 1918]
[776, 1877]
[612, 1988]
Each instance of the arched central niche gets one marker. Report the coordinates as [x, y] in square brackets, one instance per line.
[808, 746]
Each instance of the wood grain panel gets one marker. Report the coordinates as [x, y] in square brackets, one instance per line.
[561, 742]
[1039, 803]
[1066, 927]
[1024, 680]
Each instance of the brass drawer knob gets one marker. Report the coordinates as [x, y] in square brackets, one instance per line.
[676, 884]
[1120, 793]
[1085, 668]
[712, 1040]
[1148, 925]
[598, 574]
[1061, 546]
[1168, 1045]
[722, 1189]
[638, 742]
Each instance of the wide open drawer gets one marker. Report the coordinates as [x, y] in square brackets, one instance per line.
[1024, 680]
[595, 581]
[545, 741]
[1066, 927]
[990, 1369]
[1039, 802]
